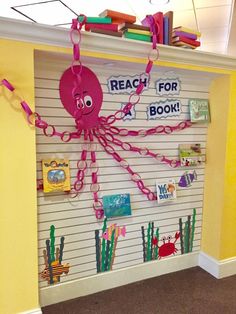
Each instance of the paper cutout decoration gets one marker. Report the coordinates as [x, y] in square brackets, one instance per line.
[168, 86]
[164, 109]
[106, 245]
[187, 178]
[150, 251]
[168, 247]
[116, 205]
[53, 262]
[187, 233]
[56, 175]
[199, 110]
[190, 155]
[130, 115]
[166, 191]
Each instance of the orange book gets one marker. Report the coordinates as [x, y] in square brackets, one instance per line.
[118, 17]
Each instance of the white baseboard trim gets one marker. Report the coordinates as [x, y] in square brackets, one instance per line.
[34, 311]
[219, 269]
[115, 278]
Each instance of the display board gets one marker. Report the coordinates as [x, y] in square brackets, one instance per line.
[74, 218]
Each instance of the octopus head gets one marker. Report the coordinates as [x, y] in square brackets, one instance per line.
[81, 96]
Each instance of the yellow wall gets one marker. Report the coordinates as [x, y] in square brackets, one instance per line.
[18, 225]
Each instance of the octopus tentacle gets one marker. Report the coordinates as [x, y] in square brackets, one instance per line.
[142, 151]
[135, 177]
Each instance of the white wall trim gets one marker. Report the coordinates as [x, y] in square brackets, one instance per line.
[219, 269]
[57, 36]
[34, 311]
[115, 278]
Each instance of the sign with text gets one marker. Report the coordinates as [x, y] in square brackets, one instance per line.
[168, 86]
[126, 84]
[129, 115]
[164, 109]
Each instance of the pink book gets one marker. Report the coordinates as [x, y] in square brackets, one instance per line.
[158, 17]
[107, 27]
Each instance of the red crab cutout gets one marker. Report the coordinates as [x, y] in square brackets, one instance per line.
[168, 248]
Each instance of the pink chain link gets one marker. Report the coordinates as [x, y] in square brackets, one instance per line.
[135, 177]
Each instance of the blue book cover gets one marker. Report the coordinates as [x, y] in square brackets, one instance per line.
[166, 30]
[116, 205]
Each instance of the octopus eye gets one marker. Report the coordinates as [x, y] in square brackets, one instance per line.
[88, 101]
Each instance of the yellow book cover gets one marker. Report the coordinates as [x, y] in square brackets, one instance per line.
[187, 30]
[139, 31]
[56, 175]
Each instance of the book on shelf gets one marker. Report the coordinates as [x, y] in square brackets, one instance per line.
[118, 17]
[199, 110]
[106, 32]
[137, 36]
[190, 155]
[95, 20]
[158, 17]
[192, 42]
[166, 191]
[187, 30]
[184, 34]
[126, 25]
[169, 15]
[139, 31]
[166, 31]
[108, 27]
[184, 45]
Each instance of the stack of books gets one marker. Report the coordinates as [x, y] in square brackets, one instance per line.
[137, 32]
[185, 37]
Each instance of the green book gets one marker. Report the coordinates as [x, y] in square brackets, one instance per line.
[137, 36]
[96, 20]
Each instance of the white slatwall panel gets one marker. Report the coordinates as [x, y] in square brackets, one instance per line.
[75, 218]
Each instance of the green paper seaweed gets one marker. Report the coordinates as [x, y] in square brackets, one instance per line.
[156, 247]
[52, 238]
[104, 245]
[149, 242]
[111, 249]
[193, 229]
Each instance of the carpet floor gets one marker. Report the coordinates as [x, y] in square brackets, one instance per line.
[191, 291]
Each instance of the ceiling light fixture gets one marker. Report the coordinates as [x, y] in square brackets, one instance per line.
[160, 2]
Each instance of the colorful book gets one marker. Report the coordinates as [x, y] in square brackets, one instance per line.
[106, 32]
[192, 42]
[137, 36]
[184, 45]
[96, 20]
[166, 191]
[125, 26]
[199, 110]
[118, 16]
[158, 17]
[190, 155]
[108, 27]
[187, 30]
[139, 31]
[166, 30]
[169, 15]
[184, 34]
[56, 175]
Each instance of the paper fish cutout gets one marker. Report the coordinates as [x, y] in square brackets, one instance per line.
[187, 178]
[118, 231]
[57, 271]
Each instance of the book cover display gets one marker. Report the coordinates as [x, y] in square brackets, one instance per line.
[166, 191]
[56, 175]
[116, 205]
[190, 155]
[199, 110]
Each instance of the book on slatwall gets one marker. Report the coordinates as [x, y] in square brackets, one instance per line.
[95, 20]
[166, 31]
[169, 15]
[108, 27]
[184, 45]
[139, 31]
[190, 155]
[118, 16]
[199, 110]
[126, 25]
[106, 32]
[166, 191]
[192, 42]
[184, 34]
[158, 17]
[137, 36]
[187, 30]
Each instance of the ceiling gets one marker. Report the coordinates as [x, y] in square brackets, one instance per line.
[213, 18]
